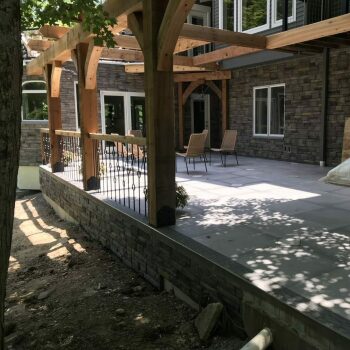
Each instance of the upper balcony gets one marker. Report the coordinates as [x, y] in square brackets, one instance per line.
[269, 16]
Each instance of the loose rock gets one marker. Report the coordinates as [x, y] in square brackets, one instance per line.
[207, 319]
[46, 293]
[120, 312]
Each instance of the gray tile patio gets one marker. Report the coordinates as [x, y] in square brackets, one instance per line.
[277, 219]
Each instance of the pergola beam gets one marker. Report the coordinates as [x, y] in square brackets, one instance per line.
[56, 72]
[222, 54]
[91, 65]
[222, 36]
[172, 23]
[140, 68]
[53, 32]
[39, 45]
[218, 75]
[77, 35]
[122, 55]
[332, 26]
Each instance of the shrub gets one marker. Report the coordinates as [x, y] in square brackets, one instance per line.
[182, 197]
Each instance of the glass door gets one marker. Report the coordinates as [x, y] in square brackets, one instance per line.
[138, 117]
[200, 110]
[114, 112]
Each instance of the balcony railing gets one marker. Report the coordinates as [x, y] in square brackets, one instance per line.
[122, 170]
[318, 10]
[120, 161]
[71, 154]
[45, 146]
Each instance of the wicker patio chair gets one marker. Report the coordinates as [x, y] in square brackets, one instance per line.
[138, 152]
[227, 146]
[136, 133]
[121, 149]
[205, 132]
[195, 149]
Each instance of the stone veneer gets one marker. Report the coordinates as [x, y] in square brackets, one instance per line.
[110, 77]
[303, 80]
[163, 256]
[303, 86]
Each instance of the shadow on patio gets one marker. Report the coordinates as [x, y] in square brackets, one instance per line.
[279, 221]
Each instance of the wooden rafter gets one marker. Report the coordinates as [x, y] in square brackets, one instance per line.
[39, 45]
[140, 68]
[135, 23]
[332, 26]
[215, 35]
[172, 22]
[190, 88]
[214, 87]
[53, 32]
[184, 44]
[91, 64]
[77, 35]
[127, 42]
[56, 71]
[122, 54]
[218, 75]
[222, 54]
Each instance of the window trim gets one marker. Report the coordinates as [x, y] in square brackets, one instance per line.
[201, 11]
[25, 91]
[268, 134]
[278, 22]
[75, 84]
[127, 107]
[238, 24]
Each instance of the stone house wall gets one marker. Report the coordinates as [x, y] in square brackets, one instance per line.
[303, 87]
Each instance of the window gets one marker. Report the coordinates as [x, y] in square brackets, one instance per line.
[269, 109]
[277, 8]
[77, 106]
[226, 14]
[253, 15]
[34, 101]
[123, 111]
[200, 16]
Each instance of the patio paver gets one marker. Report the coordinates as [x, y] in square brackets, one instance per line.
[277, 219]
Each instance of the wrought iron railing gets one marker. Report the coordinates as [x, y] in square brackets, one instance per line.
[45, 146]
[71, 154]
[122, 170]
[318, 10]
[121, 163]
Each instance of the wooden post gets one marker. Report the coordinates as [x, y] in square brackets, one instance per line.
[181, 116]
[159, 88]
[88, 121]
[54, 114]
[224, 105]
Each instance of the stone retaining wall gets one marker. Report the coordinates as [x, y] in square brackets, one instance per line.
[163, 256]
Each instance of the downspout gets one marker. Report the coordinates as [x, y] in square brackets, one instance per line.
[285, 16]
[260, 342]
[324, 114]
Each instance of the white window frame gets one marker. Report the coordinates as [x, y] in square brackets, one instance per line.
[268, 87]
[200, 11]
[75, 84]
[32, 92]
[278, 23]
[238, 26]
[221, 15]
[127, 107]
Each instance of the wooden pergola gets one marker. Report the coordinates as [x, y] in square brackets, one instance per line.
[159, 36]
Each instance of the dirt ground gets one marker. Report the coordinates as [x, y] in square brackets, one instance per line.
[65, 291]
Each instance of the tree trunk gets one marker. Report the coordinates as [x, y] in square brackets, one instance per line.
[10, 123]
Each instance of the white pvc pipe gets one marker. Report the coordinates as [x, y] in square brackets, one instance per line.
[260, 342]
